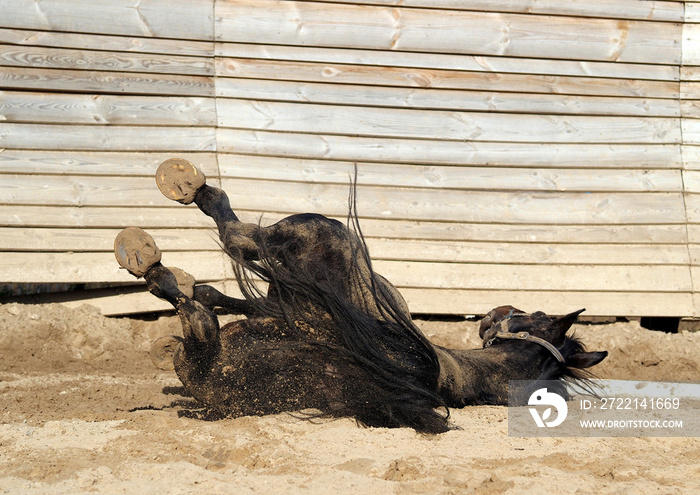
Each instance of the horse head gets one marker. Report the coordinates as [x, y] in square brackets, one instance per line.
[508, 323]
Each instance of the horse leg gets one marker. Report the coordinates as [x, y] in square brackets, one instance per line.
[181, 181]
[136, 251]
[212, 298]
[314, 239]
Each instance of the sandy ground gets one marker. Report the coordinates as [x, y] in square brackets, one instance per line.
[83, 410]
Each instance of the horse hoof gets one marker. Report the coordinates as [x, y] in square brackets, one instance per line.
[179, 180]
[185, 281]
[163, 351]
[136, 251]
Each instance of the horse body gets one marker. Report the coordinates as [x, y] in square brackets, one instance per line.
[329, 334]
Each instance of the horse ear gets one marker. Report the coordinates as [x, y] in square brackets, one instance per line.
[585, 359]
[561, 325]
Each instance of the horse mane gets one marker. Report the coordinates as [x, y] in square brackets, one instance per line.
[577, 376]
[386, 368]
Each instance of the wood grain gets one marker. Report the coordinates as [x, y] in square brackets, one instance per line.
[445, 99]
[668, 278]
[69, 80]
[60, 58]
[426, 151]
[480, 302]
[454, 62]
[425, 30]
[538, 153]
[646, 10]
[396, 77]
[98, 138]
[444, 125]
[102, 163]
[184, 19]
[28, 107]
[432, 301]
[450, 177]
[381, 248]
[100, 267]
[101, 42]
[29, 216]
[461, 206]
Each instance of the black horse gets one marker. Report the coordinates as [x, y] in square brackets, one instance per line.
[329, 334]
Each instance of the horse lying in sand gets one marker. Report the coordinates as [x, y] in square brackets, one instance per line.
[329, 334]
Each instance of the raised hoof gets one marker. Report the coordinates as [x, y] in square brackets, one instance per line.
[185, 281]
[136, 251]
[163, 351]
[179, 180]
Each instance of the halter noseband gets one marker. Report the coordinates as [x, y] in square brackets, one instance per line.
[500, 331]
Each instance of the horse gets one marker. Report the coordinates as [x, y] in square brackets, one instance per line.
[329, 334]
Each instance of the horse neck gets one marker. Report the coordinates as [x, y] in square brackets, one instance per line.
[480, 376]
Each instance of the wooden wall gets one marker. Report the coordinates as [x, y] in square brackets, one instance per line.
[542, 154]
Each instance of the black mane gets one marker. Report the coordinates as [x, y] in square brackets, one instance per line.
[386, 367]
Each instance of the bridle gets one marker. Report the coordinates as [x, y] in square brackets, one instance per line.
[500, 331]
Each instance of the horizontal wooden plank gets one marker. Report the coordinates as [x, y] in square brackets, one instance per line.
[22, 78]
[106, 42]
[696, 303]
[691, 157]
[256, 89]
[328, 146]
[450, 251]
[695, 272]
[63, 58]
[449, 177]
[529, 254]
[66, 190]
[186, 19]
[99, 162]
[461, 62]
[104, 217]
[691, 181]
[692, 204]
[101, 240]
[690, 91]
[691, 131]
[460, 205]
[629, 278]
[190, 217]
[214, 265]
[442, 79]
[63, 108]
[692, 12]
[424, 30]
[377, 202]
[444, 125]
[100, 138]
[475, 302]
[690, 73]
[694, 250]
[102, 267]
[643, 10]
[694, 233]
[509, 233]
[434, 301]
[691, 44]
[690, 109]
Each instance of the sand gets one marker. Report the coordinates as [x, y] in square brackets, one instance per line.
[82, 409]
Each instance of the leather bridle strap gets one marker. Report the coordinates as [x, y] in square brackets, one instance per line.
[503, 333]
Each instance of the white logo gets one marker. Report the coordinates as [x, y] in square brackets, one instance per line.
[543, 398]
